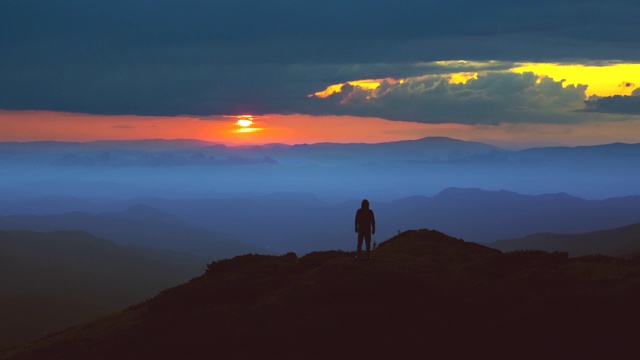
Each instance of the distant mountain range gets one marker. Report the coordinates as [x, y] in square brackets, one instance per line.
[303, 223]
[185, 151]
[104, 145]
[138, 225]
[615, 242]
[300, 222]
[424, 294]
[427, 150]
[50, 281]
[187, 168]
[484, 216]
[192, 152]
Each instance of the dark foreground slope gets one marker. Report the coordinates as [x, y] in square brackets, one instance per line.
[424, 295]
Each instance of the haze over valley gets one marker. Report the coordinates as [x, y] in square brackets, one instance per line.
[219, 201]
[386, 171]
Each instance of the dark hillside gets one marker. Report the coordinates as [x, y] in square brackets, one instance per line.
[424, 295]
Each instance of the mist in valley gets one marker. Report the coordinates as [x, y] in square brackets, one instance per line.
[281, 198]
[87, 228]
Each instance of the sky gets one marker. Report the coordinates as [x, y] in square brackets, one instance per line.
[510, 73]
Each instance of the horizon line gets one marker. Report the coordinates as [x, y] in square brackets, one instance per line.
[512, 146]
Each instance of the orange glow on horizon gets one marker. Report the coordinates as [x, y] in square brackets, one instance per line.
[298, 129]
[248, 130]
[245, 122]
[285, 129]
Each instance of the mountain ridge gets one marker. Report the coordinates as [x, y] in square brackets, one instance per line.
[615, 148]
[423, 293]
[613, 242]
[303, 222]
[392, 169]
[138, 224]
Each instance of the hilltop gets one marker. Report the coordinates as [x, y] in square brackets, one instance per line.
[424, 294]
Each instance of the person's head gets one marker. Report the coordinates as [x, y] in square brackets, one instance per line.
[365, 204]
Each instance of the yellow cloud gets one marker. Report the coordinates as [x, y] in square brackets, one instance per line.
[608, 80]
[330, 90]
[462, 78]
[367, 84]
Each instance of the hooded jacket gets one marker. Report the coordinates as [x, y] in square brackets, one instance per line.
[365, 220]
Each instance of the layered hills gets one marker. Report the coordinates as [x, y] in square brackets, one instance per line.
[424, 294]
[188, 168]
[302, 223]
[614, 242]
[138, 225]
[49, 281]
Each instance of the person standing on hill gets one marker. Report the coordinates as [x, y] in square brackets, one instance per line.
[365, 227]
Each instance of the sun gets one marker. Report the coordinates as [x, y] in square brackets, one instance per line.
[245, 123]
[244, 120]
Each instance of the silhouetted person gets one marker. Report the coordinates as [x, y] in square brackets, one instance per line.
[365, 227]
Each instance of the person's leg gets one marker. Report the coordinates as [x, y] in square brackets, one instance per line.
[367, 239]
[360, 238]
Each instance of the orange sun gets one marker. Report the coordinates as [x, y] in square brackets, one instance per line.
[246, 123]
[244, 120]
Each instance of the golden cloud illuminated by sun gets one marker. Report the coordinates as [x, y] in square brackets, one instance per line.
[373, 84]
[462, 78]
[606, 80]
[367, 84]
[603, 80]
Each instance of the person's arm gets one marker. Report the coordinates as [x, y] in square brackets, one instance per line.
[357, 215]
[373, 223]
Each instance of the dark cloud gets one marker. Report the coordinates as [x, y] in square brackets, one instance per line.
[492, 98]
[169, 57]
[617, 104]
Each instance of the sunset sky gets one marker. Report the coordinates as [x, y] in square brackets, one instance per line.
[514, 74]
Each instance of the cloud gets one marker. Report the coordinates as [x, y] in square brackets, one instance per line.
[165, 57]
[491, 98]
[617, 104]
